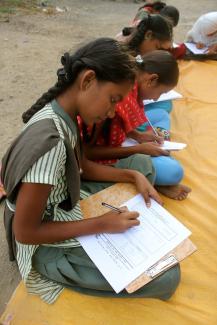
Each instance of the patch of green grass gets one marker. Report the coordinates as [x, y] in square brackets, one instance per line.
[6, 10]
[18, 3]
[10, 6]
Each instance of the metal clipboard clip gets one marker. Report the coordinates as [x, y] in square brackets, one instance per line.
[162, 266]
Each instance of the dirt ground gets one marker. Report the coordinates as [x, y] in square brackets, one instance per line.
[31, 46]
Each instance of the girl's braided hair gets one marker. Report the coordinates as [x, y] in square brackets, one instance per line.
[160, 27]
[109, 59]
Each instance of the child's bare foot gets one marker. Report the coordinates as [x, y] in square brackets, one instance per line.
[175, 192]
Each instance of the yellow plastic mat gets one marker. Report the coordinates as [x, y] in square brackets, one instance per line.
[194, 121]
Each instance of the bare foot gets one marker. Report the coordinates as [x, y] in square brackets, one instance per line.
[175, 192]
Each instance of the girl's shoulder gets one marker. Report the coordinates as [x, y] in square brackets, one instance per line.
[47, 113]
[44, 113]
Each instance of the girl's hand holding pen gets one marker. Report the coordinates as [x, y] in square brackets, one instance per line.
[149, 136]
[117, 222]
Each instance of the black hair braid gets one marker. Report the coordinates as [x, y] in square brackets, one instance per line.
[42, 101]
[109, 59]
[88, 137]
[138, 37]
[66, 76]
[92, 137]
[126, 31]
[160, 27]
[106, 130]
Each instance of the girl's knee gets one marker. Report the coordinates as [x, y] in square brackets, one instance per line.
[175, 277]
[168, 170]
[171, 280]
[176, 172]
[143, 164]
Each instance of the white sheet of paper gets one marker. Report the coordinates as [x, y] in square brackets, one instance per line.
[167, 145]
[192, 47]
[170, 95]
[128, 142]
[121, 258]
[170, 145]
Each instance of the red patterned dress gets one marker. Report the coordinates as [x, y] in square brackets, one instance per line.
[128, 116]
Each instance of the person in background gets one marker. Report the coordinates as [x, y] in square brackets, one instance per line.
[204, 32]
[157, 7]
[157, 73]
[153, 32]
[41, 173]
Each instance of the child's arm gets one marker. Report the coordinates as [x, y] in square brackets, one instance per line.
[147, 136]
[29, 228]
[98, 172]
[94, 152]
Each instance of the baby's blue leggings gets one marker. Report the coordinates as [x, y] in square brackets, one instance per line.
[168, 170]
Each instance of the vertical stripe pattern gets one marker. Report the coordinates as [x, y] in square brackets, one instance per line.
[49, 169]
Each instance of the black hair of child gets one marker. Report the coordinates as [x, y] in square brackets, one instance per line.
[163, 9]
[172, 13]
[158, 5]
[160, 27]
[157, 62]
[163, 64]
[109, 59]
